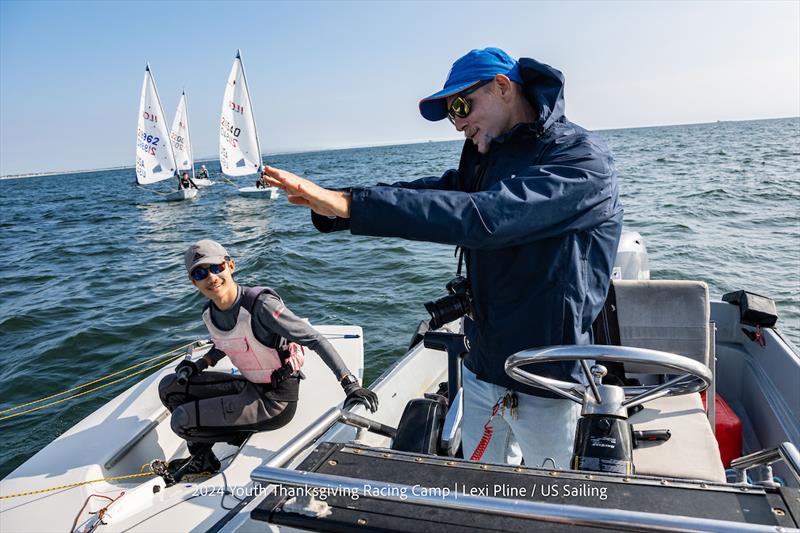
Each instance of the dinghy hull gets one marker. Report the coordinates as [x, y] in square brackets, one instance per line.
[255, 192]
[181, 195]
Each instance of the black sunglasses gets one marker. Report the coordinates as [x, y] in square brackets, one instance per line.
[460, 106]
[201, 273]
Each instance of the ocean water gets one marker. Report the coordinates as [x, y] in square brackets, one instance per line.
[94, 278]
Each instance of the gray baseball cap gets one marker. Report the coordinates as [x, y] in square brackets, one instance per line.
[205, 252]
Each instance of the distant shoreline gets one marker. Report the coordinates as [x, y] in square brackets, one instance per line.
[58, 173]
[331, 149]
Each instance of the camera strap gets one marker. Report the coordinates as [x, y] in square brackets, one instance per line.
[460, 253]
[476, 182]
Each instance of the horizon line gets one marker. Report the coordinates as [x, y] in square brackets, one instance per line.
[311, 150]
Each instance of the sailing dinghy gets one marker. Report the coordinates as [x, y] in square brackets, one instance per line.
[155, 158]
[268, 192]
[202, 182]
[239, 149]
[182, 142]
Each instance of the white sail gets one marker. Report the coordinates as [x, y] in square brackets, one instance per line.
[239, 151]
[155, 160]
[179, 135]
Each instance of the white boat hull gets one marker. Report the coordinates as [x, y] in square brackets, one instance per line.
[269, 192]
[202, 182]
[181, 195]
[132, 430]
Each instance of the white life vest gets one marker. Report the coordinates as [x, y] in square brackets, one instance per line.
[255, 361]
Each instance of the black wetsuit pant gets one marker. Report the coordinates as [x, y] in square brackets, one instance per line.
[219, 407]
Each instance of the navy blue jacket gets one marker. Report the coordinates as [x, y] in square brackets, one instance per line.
[539, 218]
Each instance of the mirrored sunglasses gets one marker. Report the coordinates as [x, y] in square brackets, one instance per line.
[200, 273]
[460, 106]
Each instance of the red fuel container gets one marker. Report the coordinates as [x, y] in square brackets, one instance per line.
[728, 429]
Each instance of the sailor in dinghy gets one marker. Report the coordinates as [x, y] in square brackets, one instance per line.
[203, 174]
[264, 340]
[186, 182]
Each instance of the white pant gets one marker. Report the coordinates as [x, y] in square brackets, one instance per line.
[543, 428]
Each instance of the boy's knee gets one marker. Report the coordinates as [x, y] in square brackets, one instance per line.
[181, 421]
[165, 386]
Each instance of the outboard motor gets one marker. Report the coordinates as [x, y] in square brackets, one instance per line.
[631, 261]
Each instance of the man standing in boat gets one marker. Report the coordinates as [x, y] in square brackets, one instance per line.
[533, 206]
[263, 339]
[203, 174]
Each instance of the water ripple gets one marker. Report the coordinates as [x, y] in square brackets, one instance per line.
[98, 284]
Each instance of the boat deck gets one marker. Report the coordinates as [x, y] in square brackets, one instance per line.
[381, 507]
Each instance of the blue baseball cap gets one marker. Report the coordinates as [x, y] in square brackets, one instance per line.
[475, 66]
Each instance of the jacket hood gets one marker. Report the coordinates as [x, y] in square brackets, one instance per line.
[544, 88]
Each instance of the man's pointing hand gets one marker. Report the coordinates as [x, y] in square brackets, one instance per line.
[301, 191]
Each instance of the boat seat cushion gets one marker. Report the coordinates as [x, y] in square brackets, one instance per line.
[670, 316]
[692, 450]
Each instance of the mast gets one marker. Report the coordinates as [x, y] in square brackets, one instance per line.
[188, 138]
[168, 144]
[252, 112]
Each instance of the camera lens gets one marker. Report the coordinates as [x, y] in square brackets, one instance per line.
[447, 309]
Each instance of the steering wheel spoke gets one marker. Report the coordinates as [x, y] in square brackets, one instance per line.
[573, 391]
[665, 389]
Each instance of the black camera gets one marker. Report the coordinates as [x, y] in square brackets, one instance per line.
[455, 305]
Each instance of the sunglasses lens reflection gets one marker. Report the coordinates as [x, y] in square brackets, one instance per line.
[459, 108]
[201, 273]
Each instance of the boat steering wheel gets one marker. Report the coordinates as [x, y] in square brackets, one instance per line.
[689, 375]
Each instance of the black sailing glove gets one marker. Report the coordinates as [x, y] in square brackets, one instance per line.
[358, 394]
[187, 369]
[214, 356]
[281, 374]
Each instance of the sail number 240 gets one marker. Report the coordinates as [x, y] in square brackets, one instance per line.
[229, 132]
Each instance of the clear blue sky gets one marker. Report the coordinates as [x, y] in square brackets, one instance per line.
[336, 74]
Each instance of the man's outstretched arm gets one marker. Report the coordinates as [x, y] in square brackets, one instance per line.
[301, 191]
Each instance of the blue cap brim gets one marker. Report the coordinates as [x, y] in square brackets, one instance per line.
[434, 107]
